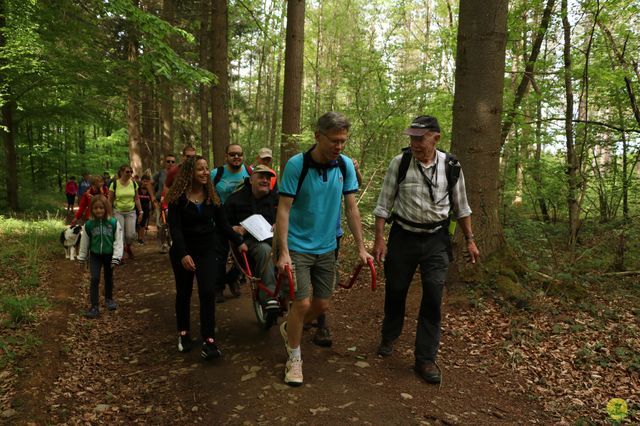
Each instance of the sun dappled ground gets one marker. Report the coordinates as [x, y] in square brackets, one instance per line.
[558, 359]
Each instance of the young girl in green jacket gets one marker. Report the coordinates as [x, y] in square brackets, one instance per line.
[102, 241]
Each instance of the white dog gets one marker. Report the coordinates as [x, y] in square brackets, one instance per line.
[70, 239]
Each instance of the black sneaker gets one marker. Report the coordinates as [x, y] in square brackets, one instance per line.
[93, 312]
[323, 337]
[184, 342]
[210, 349]
[111, 304]
[386, 348]
[272, 305]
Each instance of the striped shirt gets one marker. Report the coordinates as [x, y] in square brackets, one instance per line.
[414, 201]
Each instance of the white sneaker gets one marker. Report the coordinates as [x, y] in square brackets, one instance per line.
[293, 372]
[285, 336]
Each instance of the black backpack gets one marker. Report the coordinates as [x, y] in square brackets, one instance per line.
[452, 171]
[306, 162]
[115, 186]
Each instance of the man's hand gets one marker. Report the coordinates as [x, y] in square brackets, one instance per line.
[188, 263]
[243, 248]
[474, 253]
[364, 256]
[139, 219]
[239, 229]
[283, 260]
[379, 250]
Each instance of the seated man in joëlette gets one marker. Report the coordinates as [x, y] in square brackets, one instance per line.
[256, 197]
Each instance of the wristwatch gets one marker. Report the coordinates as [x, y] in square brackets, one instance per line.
[470, 237]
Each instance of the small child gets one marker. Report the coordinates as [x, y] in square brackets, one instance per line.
[146, 201]
[102, 240]
[71, 189]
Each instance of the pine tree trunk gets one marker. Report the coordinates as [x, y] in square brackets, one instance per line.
[166, 92]
[477, 108]
[293, 66]
[133, 115]
[204, 90]
[8, 126]
[572, 160]
[148, 150]
[219, 91]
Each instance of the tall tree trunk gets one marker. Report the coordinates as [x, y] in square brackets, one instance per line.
[528, 71]
[219, 91]
[572, 159]
[276, 89]
[166, 91]
[477, 108]
[293, 66]
[204, 90]
[8, 126]
[537, 170]
[148, 148]
[133, 115]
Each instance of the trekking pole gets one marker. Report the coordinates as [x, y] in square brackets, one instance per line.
[356, 272]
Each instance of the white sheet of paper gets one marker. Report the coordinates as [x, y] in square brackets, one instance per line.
[258, 226]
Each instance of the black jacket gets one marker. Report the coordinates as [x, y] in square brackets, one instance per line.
[192, 228]
[242, 204]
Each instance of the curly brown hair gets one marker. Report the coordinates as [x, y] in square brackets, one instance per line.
[182, 183]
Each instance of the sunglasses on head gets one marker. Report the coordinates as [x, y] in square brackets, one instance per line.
[235, 154]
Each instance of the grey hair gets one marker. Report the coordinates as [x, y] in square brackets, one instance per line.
[332, 121]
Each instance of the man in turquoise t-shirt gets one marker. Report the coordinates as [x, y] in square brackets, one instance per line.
[233, 172]
[306, 224]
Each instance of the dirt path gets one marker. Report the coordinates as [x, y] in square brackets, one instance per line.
[124, 367]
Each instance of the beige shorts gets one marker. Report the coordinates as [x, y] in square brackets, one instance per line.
[314, 274]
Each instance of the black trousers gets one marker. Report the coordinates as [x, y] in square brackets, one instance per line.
[206, 270]
[97, 262]
[405, 252]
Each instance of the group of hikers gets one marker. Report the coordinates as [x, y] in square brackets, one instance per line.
[422, 190]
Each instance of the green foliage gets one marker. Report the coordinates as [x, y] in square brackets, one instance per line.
[21, 309]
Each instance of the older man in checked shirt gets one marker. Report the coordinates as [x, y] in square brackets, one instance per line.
[419, 209]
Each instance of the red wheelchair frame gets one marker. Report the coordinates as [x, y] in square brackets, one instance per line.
[356, 272]
[266, 318]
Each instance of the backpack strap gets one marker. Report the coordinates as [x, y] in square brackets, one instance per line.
[405, 162]
[218, 176]
[452, 169]
[306, 161]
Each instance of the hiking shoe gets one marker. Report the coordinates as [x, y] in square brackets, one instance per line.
[111, 304]
[293, 372]
[323, 337]
[140, 242]
[219, 296]
[428, 371]
[272, 305]
[386, 348]
[184, 342]
[93, 312]
[234, 287]
[164, 248]
[210, 349]
[285, 336]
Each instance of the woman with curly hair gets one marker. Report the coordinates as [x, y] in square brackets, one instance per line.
[195, 212]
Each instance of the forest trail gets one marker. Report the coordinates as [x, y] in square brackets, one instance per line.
[124, 366]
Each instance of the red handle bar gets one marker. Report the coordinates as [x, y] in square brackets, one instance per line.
[356, 272]
[287, 270]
